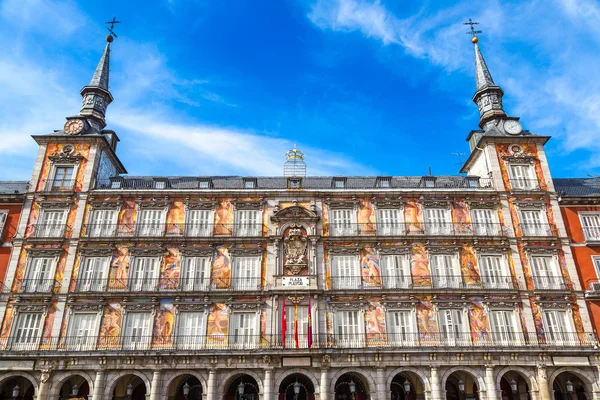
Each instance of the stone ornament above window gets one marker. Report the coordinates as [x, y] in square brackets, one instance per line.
[295, 246]
[55, 204]
[248, 205]
[105, 204]
[67, 155]
[200, 205]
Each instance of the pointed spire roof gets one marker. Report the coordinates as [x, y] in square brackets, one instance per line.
[100, 78]
[482, 73]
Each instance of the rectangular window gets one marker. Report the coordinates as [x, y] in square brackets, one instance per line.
[151, 222]
[203, 184]
[494, 271]
[504, 327]
[249, 184]
[438, 221]
[396, 271]
[138, 334]
[345, 272]
[199, 223]
[243, 330]
[546, 274]
[484, 223]
[51, 223]
[302, 327]
[27, 331]
[191, 332]
[348, 329]
[339, 183]
[590, 223]
[39, 275]
[3, 218]
[402, 331]
[388, 222]
[446, 273]
[92, 274]
[82, 331]
[453, 327]
[596, 260]
[63, 178]
[103, 223]
[342, 222]
[248, 222]
[521, 177]
[246, 273]
[195, 275]
[533, 223]
[143, 276]
[558, 327]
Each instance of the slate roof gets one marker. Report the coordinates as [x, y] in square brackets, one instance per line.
[577, 187]
[13, 187]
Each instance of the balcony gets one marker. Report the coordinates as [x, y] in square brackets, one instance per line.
[549, 283]
[225, 343]
[538, 230]
[593, 288]
[524, 184]
[55, 231]
[171, 230]
[60, 186]
[414, 229]
[591, 234]
[181, 285]
[421, 282]
[36, 285]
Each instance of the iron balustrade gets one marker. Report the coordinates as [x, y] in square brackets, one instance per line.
[593, 287]
[151, 230]
[57, 185]
[524, 184]
[377, 282]
[48, 230]
[14, 187]
[415, 229]
[36, 285]
[182, 284]
[549, 283]
[591, 233]
[220, 342]
[538, 230]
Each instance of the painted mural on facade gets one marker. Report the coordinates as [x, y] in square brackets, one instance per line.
[413, 217]
[112, 320]
[164, 324]
[224, 218]
[221, 269]
[370, 269]
[419, 266]
[366, 218]
[218, 325]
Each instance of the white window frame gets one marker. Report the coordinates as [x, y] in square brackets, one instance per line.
[53, 230]
[39, 285]
[555, 280]
[3, 220]
[391, 227]
[503, 280]
[99, 278]
[461, 337]
[191, 340]
[248, 228]
[345, 226]
[506, 337]
[243, 340]
[76, 342]
[199, 281]
[203, 228]
[248, 282]
[153, 229]
[454, 280]
[106, 228]
[596, 262]
[346, 279]
[487, 228]
[590, 233]
[30, 342]
[352, 339]
[390, 277]
[435, 225]
[302, 326]
[402, 339]
[538, 228]
[141, 342]
[134, 284]
[526, 182]
[564, 332]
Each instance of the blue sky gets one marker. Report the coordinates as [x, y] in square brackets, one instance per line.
[363, 87]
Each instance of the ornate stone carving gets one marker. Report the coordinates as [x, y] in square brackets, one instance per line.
[105, 204]
[499, 248]
[519, 159]
[96, 251]
[201, 205]
[450, 303]
[541, 250]
[435, 203]
[442, 249]
[45, 251]
[394, 250]
[96, 306]
[553, 304]
[154, 203]
[294, 213]
[337, 204]
[391, 305]
[139, 306]
[55, 203]
[295, 247]
[242, 251]
[197, 252]
[537, 204]
[388, 203]
[195, 306]
[343, 250]
[66, 156]
[491, 203]
[146, 251]
[248, 205]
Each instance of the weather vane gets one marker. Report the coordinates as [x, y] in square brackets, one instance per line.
[472, 32]
[112, 27]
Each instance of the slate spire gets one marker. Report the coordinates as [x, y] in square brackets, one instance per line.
[482, 73]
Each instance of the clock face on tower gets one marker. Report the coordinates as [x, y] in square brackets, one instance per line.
[512, 127]
[73, 126]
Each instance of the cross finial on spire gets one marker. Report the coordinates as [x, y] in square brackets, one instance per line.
[111, 28]
[473, 32]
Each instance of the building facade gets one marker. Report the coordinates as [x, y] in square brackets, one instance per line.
[12, 195]
[294, 287]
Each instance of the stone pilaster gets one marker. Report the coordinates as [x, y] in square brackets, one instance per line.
[211, 390]
[156, 385]
[268, 384]
[99, 385]
[490, 382]
[436, 384]
[542, 379]
[324, 389]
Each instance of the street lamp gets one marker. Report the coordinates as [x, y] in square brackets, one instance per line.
[241, 389]
[186, 390]
[352, 387]
[296, 389]
[74, 390]
[569, 386]
[513, 386]
[129, 390]
[16, 390]
[406, 386]
[461, 386]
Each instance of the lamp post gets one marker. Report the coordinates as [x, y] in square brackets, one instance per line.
[569, 385]
[15, 392]
[74, 390]
[240, 389]
[129, 391]
[352, 387]
[513, 386]
[407, 386]
[296, 390]
[461, 386]
[186, 390]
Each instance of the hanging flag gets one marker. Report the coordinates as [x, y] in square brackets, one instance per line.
[309, 328]
[296, 325]
[283, 323]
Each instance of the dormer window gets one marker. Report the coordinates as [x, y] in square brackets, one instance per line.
[250, 183]
[205, 184]
[384, 182]
[472, 181]
[339, 183]
[428, 181]
[160, 184]
[294, 183]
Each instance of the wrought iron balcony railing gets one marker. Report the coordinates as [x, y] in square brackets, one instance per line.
[47, 231]
[36, 285]
[172, 230]
[538, 230]
[415, 229]
[182, 284]
[549, 283]
[591, 233]
[376, 282]
[593, 288]
[60, 185]
[524, 184]
[219, 342]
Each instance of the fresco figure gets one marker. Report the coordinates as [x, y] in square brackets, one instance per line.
[375, 324]
[170, 275]
[413, 216]
[370, 269]
[468, 267]
[111, 325]
[118, 269]
[426, 321]
[162, 333]
[366, 218]
[127, 218]
[480, 324]
[176, 219]
[221, 269]
[224, 218]
[218, 325]
[419, 266]
[460, 217]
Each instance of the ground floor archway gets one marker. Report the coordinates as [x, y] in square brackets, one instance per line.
[351, 386]
[75, 387]
[299, 383]
[242, 387]
[461, 385]
[186, 387]
[130, 387]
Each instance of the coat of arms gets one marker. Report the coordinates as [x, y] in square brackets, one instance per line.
[295, 245]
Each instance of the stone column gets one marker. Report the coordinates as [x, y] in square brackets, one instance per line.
[436, 384]
[42, 390]
[211, 390]
[99, 385]
[268, 384]
[543, 383]
[156, 385]
[324, 384]
[492, 394]
[381, 389]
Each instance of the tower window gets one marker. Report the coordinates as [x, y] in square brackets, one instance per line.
[63, 178]
[294, 183]
[250, 183]
[339, 183]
